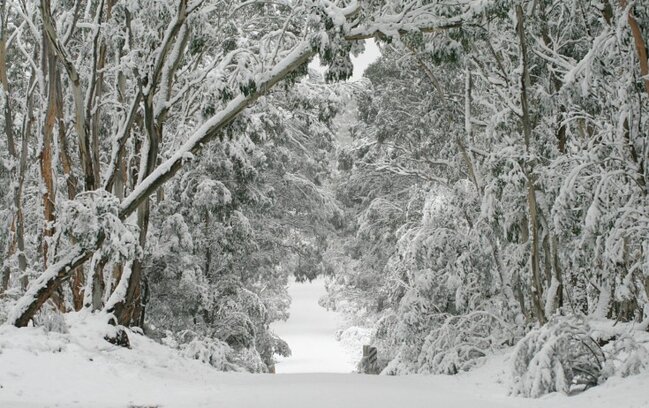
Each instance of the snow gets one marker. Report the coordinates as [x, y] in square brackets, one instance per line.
[79, 369]
[311, 334]
[50, 273]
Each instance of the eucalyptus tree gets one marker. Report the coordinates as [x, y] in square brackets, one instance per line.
[524, 127]
[134, 92]
[239, 221]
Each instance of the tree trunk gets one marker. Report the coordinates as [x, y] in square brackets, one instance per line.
[537, 290]
[81, 121]
[45, 161]
[640, 45]
[42, 288]
[45, 157]
[129, 310]
[77, 279]
[16, 241]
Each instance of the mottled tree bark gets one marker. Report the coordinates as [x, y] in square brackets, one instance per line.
[537, 290]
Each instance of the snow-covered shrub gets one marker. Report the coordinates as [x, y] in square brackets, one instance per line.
[354, 337]
[626, 357]
[7, 301]
[51, 320]
[210, 351]
[462, 342]
[217, 353]
[268, 345]
[249, 360]
[555, 357]
[400, 340]
[235, 313]
[386, 343]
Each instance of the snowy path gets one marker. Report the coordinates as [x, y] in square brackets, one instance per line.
[80, 370]
[70, 381]
[310, 332]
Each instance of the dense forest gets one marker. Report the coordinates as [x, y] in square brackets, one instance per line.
[168, 165]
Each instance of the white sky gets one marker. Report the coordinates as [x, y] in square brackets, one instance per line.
[371, 54]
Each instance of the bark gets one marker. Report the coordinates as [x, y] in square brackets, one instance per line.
[97, 287]
[64, 155]
[77, 279]
[81, 123]
[640, 45]
[95, 90]
[129, 311]
[635, 158]
[558, 275]
[466, 156]
[118, 150]
[77, 283]
[537, 290]
[11, 146]
[19, 223]
[46, 165]
[8, 114]
[556, 84]
[45, 158]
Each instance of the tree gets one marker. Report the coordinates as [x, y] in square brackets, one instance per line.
[529, 155]
[164, 69]
[239, 221]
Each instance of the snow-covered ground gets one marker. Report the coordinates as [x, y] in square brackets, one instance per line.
[79, 369]
[40, 369]
[310, 332]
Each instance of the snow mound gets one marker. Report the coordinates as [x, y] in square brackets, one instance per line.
[79, 368]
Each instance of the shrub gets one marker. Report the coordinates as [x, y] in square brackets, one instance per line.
[461, 342]
[210, 351]
[555, 357]
[626, 357]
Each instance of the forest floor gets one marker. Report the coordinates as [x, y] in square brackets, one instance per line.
[79, 369]
[48, 370]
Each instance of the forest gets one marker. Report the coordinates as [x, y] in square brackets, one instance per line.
[168, 166]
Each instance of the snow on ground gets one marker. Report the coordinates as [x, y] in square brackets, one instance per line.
[311, 334]
[79, 369]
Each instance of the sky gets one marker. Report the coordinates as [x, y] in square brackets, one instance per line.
[371, 54]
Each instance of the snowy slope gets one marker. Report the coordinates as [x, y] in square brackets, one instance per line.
[78, 369]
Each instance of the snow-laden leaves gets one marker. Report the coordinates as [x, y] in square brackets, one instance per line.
[91, 221]
[555, 357]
